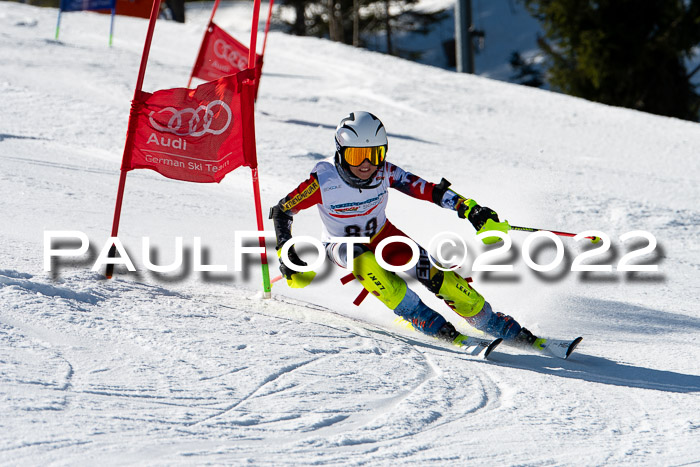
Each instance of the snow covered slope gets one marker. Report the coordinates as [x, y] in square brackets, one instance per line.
[194, 368]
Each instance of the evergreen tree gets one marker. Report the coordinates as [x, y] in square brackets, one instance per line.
[628, 53]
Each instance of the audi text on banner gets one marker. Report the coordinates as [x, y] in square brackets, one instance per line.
[196, 135]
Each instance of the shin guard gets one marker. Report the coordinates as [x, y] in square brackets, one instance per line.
[459, 295]
[385, 285]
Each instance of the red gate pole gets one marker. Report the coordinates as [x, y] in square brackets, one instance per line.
[267, 27]
[126, 157]
[256, 182]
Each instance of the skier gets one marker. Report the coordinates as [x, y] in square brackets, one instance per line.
[351, 193]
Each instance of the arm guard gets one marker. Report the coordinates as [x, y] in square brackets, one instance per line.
[448, 199]
[439, 191]
[282, 222]
[304, 196]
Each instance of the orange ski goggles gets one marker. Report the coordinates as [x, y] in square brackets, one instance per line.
[356, 156]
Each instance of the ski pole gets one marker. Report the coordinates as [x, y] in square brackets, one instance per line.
[562, 234]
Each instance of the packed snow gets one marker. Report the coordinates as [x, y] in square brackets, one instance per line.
[196, 368]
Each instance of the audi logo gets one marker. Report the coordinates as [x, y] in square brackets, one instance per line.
[193, 122]
[233, 57]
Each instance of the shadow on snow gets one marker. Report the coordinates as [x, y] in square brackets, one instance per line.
[601, 370]
[580, 366]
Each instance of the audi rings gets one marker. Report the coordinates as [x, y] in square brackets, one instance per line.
[187, 122]
[233, 57]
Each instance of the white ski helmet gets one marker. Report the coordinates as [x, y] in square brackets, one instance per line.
[360, 130]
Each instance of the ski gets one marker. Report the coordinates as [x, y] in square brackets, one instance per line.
[476, 345]
[556, 347]
[472, 345]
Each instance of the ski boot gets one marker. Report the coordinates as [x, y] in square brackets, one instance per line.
[448, 333]
[473, 345]
[527, 339]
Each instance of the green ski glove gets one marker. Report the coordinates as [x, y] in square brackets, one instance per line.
[295, 279]
[490, 224]
[484, 219]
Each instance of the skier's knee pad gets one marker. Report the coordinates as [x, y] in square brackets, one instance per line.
[459, 295]
[385, 285]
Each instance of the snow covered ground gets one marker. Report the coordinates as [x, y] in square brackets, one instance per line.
[195, 368]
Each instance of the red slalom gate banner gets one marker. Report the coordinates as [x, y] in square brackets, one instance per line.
[196, 135]
[221, 55]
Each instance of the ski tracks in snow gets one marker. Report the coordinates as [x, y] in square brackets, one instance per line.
[123, 362]
[217, 375]
[370, 390]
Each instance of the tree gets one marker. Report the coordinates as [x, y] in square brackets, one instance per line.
[628, 53]
[353, 21]
[298, 27]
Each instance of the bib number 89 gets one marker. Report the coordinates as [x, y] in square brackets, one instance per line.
[356, 231]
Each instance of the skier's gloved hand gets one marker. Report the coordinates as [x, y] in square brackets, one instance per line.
[295, 279]
[483, 219]
[286, 271]
[478, 215]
